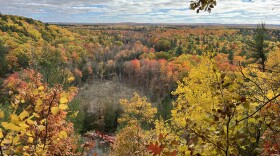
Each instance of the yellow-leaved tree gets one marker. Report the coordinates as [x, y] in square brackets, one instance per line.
[216, 112]
[220, 112]
[133, 137]
[35, 121]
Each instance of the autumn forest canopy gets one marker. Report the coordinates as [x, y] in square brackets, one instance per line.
[139, 89]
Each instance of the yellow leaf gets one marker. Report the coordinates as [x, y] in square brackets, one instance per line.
[36, 115]
[253, 140]
[41, 127]
[15, 139]
[23, 125]
[18, 149]
[41, 88]
[35, 92]
[63, 100]
[41, 151]
[30, 139]
[75, 114]
[173, 112]
[23, 115]
[270, 94]
[188, 153]
[252, 120]
[22, 101]
[29, 134]
[14, 119]
[72, 89]
[1, 114]
[30, 122]
[54, 110]
[39, 102]
[63, 106]
[43, 121]
[62, 134]
[10, 126]
[1, 134]
[70, 79]
[38, 108]
[26, 154]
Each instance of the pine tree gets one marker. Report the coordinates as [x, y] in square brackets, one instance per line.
[179, 51]
[259, 46]
[231, 57]
[3, 61]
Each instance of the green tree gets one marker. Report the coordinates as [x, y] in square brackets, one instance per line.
[231, 57]
[163, 45]
[3, 61]
[179, 51]
[51, 66]
[259, 46]
[23, 60]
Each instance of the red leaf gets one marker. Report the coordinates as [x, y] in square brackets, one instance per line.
[155, 148]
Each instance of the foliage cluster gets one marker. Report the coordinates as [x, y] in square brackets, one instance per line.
[216, 113]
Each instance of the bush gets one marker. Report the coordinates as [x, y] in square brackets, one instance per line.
[76, 115]
[111, 119]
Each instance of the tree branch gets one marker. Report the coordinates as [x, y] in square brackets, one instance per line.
[275, 97]
[49, 111]
[203, 137]
[240, 69]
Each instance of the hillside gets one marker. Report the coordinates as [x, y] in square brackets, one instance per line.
[26, 43]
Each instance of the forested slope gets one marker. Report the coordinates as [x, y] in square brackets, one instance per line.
[26, 43]
[34, 107]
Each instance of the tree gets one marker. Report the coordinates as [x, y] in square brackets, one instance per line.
[222, 113]
[138, 113]
[137, 109]
[259, 46]
[163, 45]
[203, 5]
[4, 68]
[35, 123]
[179, 51]
[51, 66]
[101, 70]
[231, 57]
[130, 141]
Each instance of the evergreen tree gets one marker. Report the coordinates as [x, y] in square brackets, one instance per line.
[231, 57]
[259, 46]
[3, 61]
[179, 51]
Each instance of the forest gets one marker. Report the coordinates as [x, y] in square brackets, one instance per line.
[145, 90]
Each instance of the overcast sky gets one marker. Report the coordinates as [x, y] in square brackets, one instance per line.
[143, 11]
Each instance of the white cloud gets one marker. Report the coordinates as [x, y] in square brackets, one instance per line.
[160, 11]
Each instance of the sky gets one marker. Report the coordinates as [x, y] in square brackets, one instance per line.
[144, 11]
